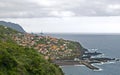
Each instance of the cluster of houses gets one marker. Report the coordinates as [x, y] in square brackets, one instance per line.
[50, 47]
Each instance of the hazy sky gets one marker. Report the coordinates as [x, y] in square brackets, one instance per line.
[70, 25]
[78, 16]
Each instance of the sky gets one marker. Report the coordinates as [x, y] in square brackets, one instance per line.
[63, 16]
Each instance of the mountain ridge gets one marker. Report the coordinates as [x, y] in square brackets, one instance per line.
[14, 26]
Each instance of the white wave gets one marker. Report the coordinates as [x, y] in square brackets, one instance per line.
[102, 63]
[93, 49]
[99, 69]
[110, 62]
[99, 63]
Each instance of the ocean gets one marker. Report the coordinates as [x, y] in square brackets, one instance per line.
[108, 44]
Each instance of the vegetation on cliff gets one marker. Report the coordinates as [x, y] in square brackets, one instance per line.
[19, 60]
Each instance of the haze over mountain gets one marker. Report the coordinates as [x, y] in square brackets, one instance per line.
[12, 25]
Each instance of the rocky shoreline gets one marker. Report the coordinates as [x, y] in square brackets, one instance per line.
[86, 59]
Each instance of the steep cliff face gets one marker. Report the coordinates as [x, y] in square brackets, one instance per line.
[14, 26]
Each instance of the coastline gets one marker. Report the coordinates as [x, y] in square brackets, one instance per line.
[65, 63]
[85, 61]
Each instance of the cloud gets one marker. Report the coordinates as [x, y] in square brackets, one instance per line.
[114, 7]
[58, 8]
[62, 13]
[45, 2]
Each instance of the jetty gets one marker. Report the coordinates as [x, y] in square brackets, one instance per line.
[72, 62]
[89, 65]
[86, 59]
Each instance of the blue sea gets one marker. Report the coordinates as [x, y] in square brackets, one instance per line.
[108, 44]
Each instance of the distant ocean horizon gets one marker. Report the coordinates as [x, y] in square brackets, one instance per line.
[108, 44]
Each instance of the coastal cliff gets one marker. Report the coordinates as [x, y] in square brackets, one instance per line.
[18, 49]
[19, 60]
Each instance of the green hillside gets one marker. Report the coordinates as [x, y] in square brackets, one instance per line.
[18, 60]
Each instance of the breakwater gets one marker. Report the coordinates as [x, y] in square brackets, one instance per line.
[86, 60]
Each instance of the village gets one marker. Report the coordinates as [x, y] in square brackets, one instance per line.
[50, 47]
